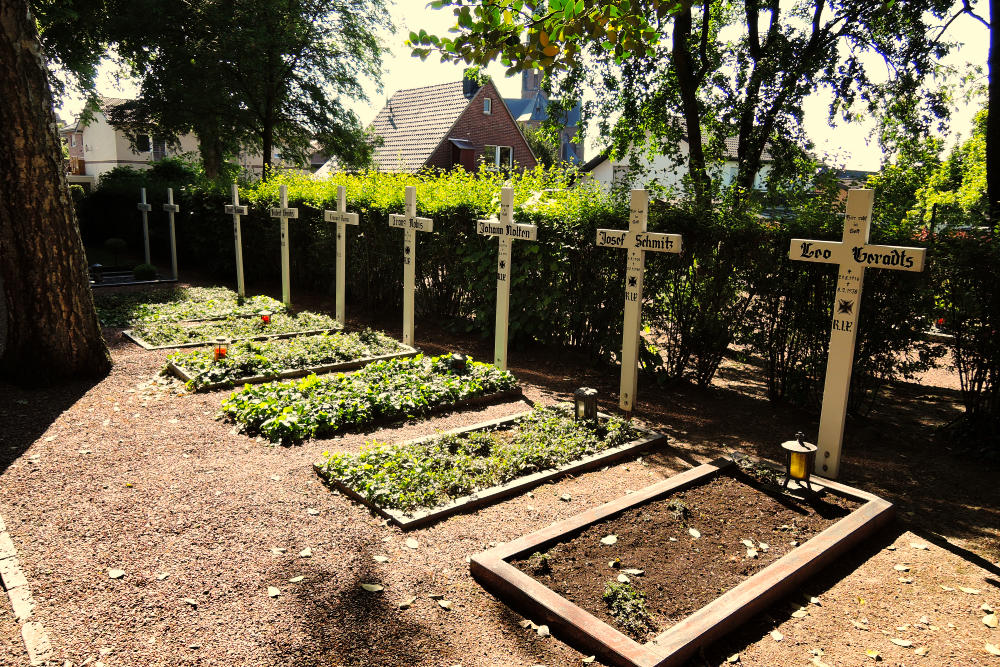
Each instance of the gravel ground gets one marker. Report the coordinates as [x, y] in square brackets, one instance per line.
[127, 474]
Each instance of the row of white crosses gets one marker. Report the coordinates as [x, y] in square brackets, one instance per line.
[171, 208]
[854, 254]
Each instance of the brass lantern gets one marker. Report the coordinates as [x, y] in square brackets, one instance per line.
[585, 404]
[220, 348]
[799, 460]
[459, 361]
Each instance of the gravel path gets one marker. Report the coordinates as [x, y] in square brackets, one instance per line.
[129, 475]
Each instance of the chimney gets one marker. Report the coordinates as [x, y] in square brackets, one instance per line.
[470, 82]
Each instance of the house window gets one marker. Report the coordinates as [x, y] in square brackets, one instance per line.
[159, 148]
[72, 140]
[498, 157]
[487, 106]
[143, 143]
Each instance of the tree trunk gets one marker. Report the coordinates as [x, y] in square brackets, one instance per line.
[993, 118]
[689, 107]
[211, 152]
[52, 327]
[267, 140]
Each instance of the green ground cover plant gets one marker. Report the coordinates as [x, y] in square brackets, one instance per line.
[120, 309]
[290, 412]
[158, 332]
[628, 606]
[435, 472]
[268, 358]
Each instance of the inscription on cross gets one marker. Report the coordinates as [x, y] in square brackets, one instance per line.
[410, 224]
[171, 208]
[853, 255]
[236, 211]
[342, 218]
[637, 241]
[145, 209]
[507, 230]
[284, 213]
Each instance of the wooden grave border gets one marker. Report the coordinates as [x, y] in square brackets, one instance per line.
[494, 494]
[740, 604]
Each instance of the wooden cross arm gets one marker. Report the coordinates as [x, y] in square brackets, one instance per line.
[236, 210]
[808, 250]
[172, 208]
[897, 258]
[279, 212]
[406, 222]
[337, 216]
[144, 207]
[658, 242]
[494, 227]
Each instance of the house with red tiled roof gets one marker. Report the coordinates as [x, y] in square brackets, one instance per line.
[463, 124]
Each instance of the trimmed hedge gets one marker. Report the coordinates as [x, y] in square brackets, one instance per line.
[733, 284]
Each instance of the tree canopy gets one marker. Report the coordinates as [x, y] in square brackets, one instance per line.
[705, 72]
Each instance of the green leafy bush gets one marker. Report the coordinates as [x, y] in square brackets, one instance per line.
[966, 271]
[269, 358]
[435, 472]
[175, 304]
[159, 332]
[627, 605]
[144, 272]
[290, 412]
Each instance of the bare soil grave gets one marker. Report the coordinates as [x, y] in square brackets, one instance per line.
[126, 473]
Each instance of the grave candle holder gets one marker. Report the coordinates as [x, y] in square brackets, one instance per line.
[265, 317]
[220, 348]
[585, 404]
[459, 361]
[799, 460]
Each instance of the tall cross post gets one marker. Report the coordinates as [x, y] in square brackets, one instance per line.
[284, 213]
[507, 230]
[236, 211]
[853, 255]
[145, 209]
[637, 241]
[410, 224]
[171, 208]
[342, 218]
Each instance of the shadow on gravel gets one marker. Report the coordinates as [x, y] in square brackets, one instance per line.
[347, 625]
[27, 413]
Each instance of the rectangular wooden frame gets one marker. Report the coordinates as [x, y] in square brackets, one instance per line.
[672, 647]
[289, 334]
[511, 488]
[343, 366]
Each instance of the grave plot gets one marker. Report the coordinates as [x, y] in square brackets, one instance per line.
[422, 481]
[178, 304]
[251, 362]
[289, 412]
[649, 578]
[158, 335]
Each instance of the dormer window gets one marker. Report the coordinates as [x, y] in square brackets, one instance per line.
[487, 106]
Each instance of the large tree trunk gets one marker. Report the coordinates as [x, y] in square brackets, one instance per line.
[211, 151]
[993, 118]
[688, 85]
[52, 327]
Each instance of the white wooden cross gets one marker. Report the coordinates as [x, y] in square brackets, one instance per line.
[171, 208]
[236, 211]
[637, 240]
[507, 230]
[342, 218]
[853, 255]
[145, 208]
[284, 213]
[410, 224]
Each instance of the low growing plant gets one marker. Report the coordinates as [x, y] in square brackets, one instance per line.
[269, 358]
[435, 472]
[627, 605]
[174, 304]
[290, 412]
[159, 333]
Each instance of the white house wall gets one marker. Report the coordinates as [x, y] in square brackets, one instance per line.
[105, 148]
